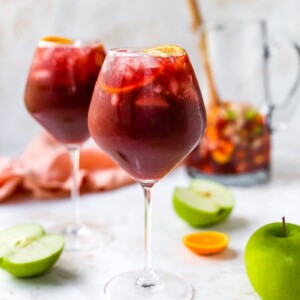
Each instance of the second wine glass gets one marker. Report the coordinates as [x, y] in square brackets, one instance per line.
[58, 94]
[147, 113]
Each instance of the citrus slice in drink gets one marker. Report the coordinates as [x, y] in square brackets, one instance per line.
[136, 70]
[57, 40]
[130, 80]
[165, 51]
[27, 251]
[206, 242]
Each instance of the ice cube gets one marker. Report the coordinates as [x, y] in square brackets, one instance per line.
[46, 54]
[190, 93]
[115, 99]
[105, 67]
[151, 101]
[151, 62]
[128, 73]
[157, 88]
[133, 63]
[173, 86]
[41, 75]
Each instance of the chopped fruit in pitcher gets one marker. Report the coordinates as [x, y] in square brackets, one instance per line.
[237, 140]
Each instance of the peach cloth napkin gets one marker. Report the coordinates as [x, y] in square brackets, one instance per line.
[43, 171]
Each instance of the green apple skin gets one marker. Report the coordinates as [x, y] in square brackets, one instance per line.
[27, 251]
[203, 203]
[196, 218]
[35, 259]
[273, 262]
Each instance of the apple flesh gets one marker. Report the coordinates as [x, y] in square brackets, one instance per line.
[27, 251]
[14, 235]
[272, 260]
[203, 203]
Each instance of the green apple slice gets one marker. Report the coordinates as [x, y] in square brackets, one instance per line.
[18, 234]
[203, 203]
[26, 251]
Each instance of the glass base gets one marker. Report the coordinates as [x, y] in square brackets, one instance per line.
[246, 179]
[168, 287]
[83, 237]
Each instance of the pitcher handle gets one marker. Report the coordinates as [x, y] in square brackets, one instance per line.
[279, 113]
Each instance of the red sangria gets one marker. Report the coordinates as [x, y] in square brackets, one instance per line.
[60, 86]
[58, 94]
[147, 113]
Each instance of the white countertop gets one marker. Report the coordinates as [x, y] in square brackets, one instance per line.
[82, 275]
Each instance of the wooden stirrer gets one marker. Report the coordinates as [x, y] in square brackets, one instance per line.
[197, 22]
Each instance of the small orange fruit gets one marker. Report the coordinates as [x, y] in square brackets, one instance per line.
[206, 242]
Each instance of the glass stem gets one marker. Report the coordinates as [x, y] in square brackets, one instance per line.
[148, 278]
[74, 153]
[148, 227]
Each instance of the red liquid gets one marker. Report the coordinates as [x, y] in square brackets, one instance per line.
[60, 87]
[236, 141]
[147, 112]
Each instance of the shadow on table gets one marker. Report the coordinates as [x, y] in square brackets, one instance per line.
[233, 223]
[227, 254]
[57, 276]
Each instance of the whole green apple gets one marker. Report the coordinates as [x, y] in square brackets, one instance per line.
[272, 259]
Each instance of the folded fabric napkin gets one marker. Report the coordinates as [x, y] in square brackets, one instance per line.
[43, 171]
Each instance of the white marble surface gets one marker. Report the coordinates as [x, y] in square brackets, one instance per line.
[81, 276]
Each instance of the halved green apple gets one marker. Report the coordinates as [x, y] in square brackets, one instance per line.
[27, 251]
[203, 203]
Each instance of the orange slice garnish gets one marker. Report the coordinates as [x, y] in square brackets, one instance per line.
[57, 40]
[206, 242]
[165, 51]
[127, 87]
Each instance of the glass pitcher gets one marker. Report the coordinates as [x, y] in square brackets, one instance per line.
[236, 60]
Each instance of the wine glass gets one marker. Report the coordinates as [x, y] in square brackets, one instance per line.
[58, 94]
[147, 114]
